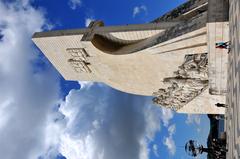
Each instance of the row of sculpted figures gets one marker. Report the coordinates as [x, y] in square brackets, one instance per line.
[189, 81]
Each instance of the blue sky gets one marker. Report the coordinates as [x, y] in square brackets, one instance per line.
[43, 116]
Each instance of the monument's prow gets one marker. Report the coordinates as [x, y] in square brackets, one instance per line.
[168, 58]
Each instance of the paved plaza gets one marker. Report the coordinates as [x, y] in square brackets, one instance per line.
[233, 111]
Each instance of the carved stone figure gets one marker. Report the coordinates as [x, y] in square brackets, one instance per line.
[190, 80]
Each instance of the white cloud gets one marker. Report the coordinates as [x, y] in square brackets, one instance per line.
[193, 119]
[74, 4]
[27, 94]
[172, 130]
[155, 150]
[166, 115]
[85, 84]
[138, 9]
[198, 130]
[88, 21]
[104, 123]
[168, 141]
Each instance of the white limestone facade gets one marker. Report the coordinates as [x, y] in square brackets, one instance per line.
[141, 59]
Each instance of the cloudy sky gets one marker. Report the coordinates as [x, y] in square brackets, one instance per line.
[42, 116]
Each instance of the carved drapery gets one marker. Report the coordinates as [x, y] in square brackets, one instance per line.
[79, 60]
[189, 81]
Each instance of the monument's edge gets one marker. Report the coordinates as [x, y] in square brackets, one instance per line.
[59, 33]
[108, 29]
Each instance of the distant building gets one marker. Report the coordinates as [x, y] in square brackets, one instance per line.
[216, 133]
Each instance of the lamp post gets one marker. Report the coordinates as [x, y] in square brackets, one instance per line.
[193, 148]
[216, 151]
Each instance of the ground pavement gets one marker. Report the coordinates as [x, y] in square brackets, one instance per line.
[233, 97]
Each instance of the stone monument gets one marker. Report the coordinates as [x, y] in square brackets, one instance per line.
[172, 58]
